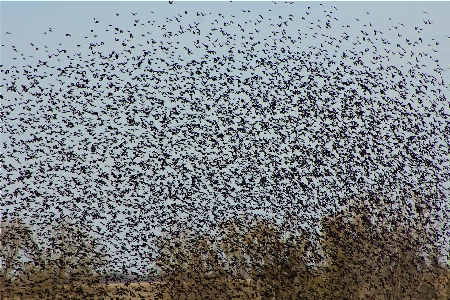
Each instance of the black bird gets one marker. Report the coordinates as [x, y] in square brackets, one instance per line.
[214, 128]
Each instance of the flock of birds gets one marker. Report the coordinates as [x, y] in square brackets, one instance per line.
[254, 113]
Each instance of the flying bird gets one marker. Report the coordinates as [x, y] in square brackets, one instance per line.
[198, 128]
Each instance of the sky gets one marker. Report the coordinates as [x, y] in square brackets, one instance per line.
[37, 32]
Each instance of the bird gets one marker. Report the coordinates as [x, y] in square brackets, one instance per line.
[204, 122]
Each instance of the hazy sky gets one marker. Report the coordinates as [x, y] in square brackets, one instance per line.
[39, 30]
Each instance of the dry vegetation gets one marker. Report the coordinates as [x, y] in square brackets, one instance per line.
[362, 258]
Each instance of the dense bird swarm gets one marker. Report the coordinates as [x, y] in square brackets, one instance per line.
[223, 115]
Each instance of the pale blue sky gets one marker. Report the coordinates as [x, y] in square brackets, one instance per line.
[49, 24]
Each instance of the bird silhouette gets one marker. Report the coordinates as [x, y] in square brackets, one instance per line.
[217, 115]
